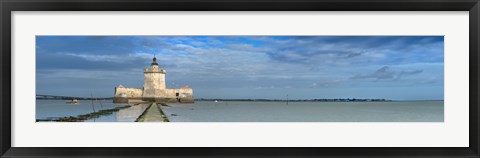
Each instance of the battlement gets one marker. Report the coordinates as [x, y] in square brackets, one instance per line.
[163, 71]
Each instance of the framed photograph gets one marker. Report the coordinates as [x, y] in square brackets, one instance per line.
[241, 78]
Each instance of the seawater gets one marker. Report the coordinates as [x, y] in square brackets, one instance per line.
[60, 108]
[227, 111]
[238, 111]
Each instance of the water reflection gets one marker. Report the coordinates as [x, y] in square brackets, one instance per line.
[46, 109]
[56, 109]
[205, 111]
[124, 115]
[130, 114]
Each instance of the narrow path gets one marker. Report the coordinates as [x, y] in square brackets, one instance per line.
[153, 113]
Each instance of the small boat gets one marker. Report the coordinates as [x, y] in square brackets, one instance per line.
[74, 101]
[216, 101]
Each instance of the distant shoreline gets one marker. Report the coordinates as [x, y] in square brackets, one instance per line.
[313, 100]
[299, 100]
[51, 97]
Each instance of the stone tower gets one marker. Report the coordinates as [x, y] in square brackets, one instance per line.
[154, 83]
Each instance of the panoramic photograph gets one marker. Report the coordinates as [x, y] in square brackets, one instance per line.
[239, 79]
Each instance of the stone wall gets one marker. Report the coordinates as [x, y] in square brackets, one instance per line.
[185, 95]
[128, 92]
[182, 93]
[128, 95]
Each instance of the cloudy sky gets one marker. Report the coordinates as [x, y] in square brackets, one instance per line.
[304, 67]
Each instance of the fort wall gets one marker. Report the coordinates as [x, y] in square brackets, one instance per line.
[182, 92]
[128, 92]
[154, 89]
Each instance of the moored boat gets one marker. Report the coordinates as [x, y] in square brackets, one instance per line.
[74, 101]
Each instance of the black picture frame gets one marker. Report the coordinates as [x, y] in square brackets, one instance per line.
[7, 6]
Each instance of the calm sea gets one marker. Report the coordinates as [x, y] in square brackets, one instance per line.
[231, 111]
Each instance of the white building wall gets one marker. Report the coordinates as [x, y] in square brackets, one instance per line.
[154, 82]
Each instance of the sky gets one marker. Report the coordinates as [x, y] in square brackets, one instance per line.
[247, 67]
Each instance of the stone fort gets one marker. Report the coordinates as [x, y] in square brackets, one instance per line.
[154, 89]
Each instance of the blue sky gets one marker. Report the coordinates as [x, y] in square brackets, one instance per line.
[304, 67]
